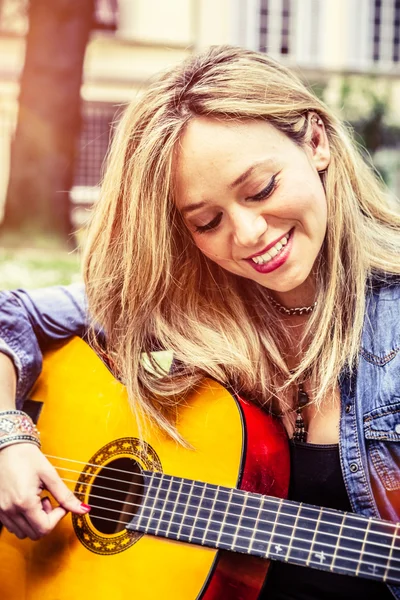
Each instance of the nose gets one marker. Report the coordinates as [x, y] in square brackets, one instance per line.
[248, 227]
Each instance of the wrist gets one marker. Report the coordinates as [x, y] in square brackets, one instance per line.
[8, 378]
[16, 427]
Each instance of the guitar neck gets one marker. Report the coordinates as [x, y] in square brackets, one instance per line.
[226, 518]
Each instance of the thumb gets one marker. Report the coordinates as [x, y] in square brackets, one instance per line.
[64, 496]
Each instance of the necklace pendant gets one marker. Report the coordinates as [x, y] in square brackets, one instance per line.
[302, 398]
[300, 434]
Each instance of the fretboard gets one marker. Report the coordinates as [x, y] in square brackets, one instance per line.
[230, 519]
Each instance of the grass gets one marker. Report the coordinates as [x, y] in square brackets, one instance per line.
[37, 267]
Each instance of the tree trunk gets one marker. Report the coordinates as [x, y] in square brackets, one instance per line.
[43, 151]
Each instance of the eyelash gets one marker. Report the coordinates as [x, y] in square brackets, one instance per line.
[211, 225]
[265, 193]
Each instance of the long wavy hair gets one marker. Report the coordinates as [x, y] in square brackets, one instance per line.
[149, 286]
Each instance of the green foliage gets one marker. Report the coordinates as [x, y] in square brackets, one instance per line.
[33, 268]
[318, 88]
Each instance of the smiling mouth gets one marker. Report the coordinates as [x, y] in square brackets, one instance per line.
[268, 255]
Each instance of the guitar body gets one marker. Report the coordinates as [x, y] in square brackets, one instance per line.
[86, 426]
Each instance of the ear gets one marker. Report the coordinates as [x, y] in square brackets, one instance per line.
[318, 142]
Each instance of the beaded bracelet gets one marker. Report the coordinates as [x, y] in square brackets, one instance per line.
[16, 427]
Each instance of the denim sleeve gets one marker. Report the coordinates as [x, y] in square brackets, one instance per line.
[34, 321]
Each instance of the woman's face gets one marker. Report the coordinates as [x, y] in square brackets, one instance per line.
[253, 200]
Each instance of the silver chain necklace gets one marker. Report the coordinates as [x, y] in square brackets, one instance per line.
[298, 310]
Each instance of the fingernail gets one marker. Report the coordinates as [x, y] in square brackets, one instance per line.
[86, 506]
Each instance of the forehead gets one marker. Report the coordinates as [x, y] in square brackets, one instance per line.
[213, 153]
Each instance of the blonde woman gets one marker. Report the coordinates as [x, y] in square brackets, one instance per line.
[239, 228]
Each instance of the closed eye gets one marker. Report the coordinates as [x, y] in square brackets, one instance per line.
[266, 192]
[211, 225]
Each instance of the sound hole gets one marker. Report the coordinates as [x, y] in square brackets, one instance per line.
[115, 495]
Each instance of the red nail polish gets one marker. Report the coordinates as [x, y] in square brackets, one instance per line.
[86, 506]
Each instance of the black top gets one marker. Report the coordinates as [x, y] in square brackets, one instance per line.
[316, 478]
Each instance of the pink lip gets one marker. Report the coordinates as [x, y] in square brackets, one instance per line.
[268, 247]
[277, 261]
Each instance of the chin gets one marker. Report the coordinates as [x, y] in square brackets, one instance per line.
[282, 287]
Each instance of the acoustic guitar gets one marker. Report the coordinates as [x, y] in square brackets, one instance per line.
[169, 521]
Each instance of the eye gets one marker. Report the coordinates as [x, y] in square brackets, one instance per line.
[211, 225]
[266, 192]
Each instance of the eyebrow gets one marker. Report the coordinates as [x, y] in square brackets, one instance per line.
[190, 207]
[241, 179]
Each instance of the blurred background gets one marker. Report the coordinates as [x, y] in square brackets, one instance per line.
[68, 68]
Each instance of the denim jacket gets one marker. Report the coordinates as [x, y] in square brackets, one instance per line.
[30, 322]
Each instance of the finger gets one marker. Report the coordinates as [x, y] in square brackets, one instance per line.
[25, 527]
[41, 521]
[46, 505]
[30, 518]
[56, 515]
[62, 493]
[12, 527]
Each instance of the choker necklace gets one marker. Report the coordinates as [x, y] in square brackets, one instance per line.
[298, 310]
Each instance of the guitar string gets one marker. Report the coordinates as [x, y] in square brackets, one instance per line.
[237, 548]
[354, 516]
[261, 520]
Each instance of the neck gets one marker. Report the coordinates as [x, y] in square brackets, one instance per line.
[302, 295]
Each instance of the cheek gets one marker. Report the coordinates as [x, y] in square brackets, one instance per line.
[210, 246]
[313, 208]
[205, 246]
[322, 210]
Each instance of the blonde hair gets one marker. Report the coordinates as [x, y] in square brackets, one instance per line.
[149, 286]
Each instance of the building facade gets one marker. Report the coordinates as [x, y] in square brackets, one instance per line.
[336, 45]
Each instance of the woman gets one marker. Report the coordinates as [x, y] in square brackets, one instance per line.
[239, 228]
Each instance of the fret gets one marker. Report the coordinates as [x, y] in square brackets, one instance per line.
[312, 541]
[161, 482]
[250, 523]
[278, 548]
[192, 531]
[177, 502]
[216, 518]
[221, 539]
[145, 510]
[360, 558]
[205, 513]
[221, 523]
[352, 542]
[177, 527]
[163, 509]
[209, 518]
[337, 545]
[263, 519]
[281, 544]
[220, 517]
[185, 511]
[392, 555]
[293, 533]
[256, 525]
[244, 499]
[320, 555]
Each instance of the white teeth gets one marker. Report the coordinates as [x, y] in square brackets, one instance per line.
[266, 257]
